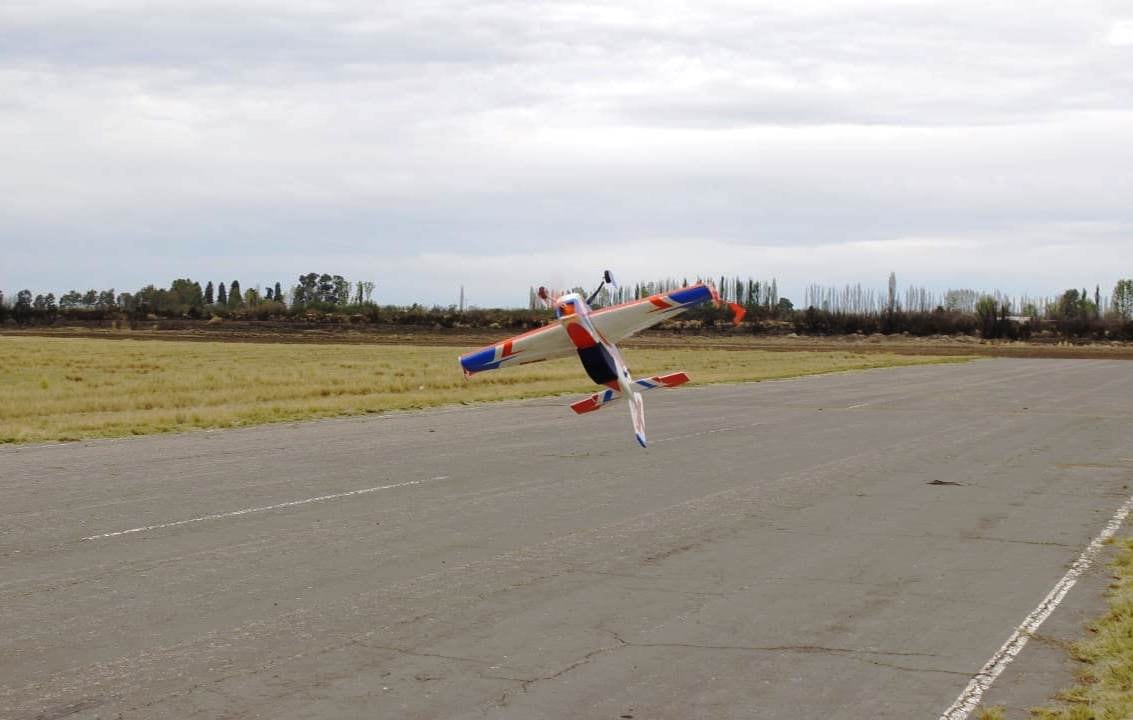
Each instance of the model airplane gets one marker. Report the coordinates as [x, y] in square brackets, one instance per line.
[592, 334]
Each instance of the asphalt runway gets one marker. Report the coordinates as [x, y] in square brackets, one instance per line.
[844, 546]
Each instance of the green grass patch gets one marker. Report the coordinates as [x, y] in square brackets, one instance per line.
[57, 389]
[1105, 682]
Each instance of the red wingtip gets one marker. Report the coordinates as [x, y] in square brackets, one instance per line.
[738, 313]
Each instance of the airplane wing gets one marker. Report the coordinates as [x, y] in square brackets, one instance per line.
[621, 321]
[549, 341]
[615, 323]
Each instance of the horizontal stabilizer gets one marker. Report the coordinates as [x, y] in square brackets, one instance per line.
[594, 402]
[598, 399]
[669, 381]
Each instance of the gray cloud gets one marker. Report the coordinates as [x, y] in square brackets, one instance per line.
[271, 138]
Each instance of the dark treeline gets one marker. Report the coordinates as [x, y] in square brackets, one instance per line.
[314, 297]
[854, 309]
[918, 311]
[185, 298]
[851, 309]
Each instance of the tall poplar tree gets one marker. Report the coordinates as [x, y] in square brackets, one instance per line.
[1122, 301]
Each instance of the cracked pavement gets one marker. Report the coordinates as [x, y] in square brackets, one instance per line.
[844, 546]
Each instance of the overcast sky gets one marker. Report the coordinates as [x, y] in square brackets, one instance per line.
[425, 145]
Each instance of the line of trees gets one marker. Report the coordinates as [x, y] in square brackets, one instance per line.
[854, 309]
[185, 298]
[918, 311]
[850, 309]
[858, 300]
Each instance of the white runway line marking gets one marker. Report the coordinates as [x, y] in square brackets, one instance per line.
[982, 680]
[265, 508]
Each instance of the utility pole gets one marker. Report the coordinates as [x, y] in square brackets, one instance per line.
[461, 299]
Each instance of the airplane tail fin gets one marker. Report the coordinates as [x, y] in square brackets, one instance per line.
[636, 408]
[637, 413]
[600, 399]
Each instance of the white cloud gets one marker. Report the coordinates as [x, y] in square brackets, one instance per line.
[1037, 260]
[215, 134]
[1121, 33]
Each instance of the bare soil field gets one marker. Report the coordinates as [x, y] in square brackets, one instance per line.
[722, 338]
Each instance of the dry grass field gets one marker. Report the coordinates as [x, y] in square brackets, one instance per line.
[58, 389]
